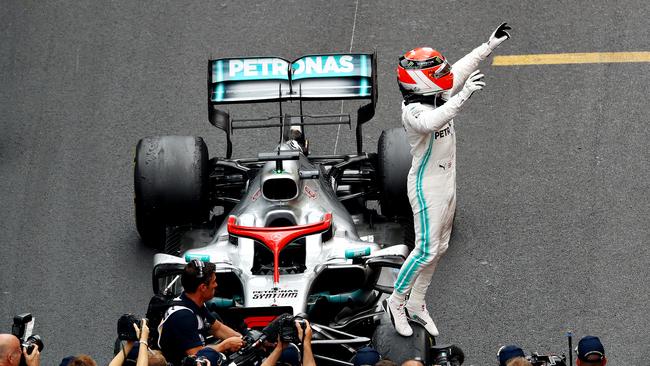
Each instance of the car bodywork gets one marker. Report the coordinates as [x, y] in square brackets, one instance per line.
[290, 231]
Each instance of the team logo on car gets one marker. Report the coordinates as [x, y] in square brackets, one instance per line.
[273, 294]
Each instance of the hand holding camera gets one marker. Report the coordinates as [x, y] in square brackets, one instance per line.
[290, 328]
[232, 344]
[304, 330]
[30, 344]
[128, 329]
[143, 331]
[33, 358]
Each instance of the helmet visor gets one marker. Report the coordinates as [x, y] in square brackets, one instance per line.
[442, 70]
[419, 65]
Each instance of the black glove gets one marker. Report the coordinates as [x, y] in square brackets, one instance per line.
[499, 35]
[501, 30]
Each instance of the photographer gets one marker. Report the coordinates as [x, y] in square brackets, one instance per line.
[413, 363]
[185, 327]
[283, 352]
[367, 356]
[206, 356]
[512, 356]
[591, 352]
[79, 360]
[11, 352]
[137, 352]
[142, 358]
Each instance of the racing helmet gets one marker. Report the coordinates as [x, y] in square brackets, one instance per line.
[424, 71]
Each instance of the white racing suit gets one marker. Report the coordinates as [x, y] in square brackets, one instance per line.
[432, 178]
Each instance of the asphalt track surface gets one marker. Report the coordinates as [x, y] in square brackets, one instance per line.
[552, 226]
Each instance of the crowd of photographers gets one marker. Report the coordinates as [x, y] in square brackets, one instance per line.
[590, 352]
[184, 332]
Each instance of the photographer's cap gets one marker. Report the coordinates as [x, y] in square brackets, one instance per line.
[505, 353]
[366, 356]
[290, 356]
[215, 357]
[590, 349]
[66, 361]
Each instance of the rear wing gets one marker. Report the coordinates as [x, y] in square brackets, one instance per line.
[274, 79]
[311, 77]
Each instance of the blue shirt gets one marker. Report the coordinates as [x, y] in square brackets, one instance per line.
[180, 331]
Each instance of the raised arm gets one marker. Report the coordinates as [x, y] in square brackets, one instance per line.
[143, 355]
[469, 63]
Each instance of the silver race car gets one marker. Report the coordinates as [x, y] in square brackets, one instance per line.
[289, 231]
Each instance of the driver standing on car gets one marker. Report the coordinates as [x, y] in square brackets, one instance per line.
[434, 92]
[185, 327]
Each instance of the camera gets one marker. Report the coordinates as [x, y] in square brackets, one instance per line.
[287, 328]
[284, 326]
[252, 352]
[447, 355]
[195, 361]
[22, 329]
[125, 329]
[547, 360]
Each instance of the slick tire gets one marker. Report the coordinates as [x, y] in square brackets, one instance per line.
[394, 162]
[397, 348]
[170, 185]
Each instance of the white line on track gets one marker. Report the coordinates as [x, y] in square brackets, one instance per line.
[354, 25]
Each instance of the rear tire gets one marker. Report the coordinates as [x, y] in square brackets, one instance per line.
[170, 184]
[394, 160]
[397, 348]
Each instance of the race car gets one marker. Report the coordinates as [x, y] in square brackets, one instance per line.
[289, 231]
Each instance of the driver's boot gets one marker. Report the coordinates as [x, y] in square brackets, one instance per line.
[417, 311]
[397, 314]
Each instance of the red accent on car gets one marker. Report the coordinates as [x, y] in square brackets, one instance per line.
[276, 238]
[259, 321]
[310, 192]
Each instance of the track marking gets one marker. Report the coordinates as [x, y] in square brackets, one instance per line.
[571, 58]
[354, 24]
[76, 64]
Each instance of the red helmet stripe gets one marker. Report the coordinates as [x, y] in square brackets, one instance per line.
[424, 79]
[404, 76]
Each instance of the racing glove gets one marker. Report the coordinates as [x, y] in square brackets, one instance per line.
[498, 36]
[474, 82]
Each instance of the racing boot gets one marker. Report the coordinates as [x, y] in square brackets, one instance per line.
[397, 313]
[419, 314]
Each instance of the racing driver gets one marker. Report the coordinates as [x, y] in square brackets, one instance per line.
[434, 92]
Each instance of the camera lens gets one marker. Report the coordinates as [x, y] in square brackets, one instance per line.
[34, 340]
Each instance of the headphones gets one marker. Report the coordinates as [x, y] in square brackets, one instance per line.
[200, 266]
